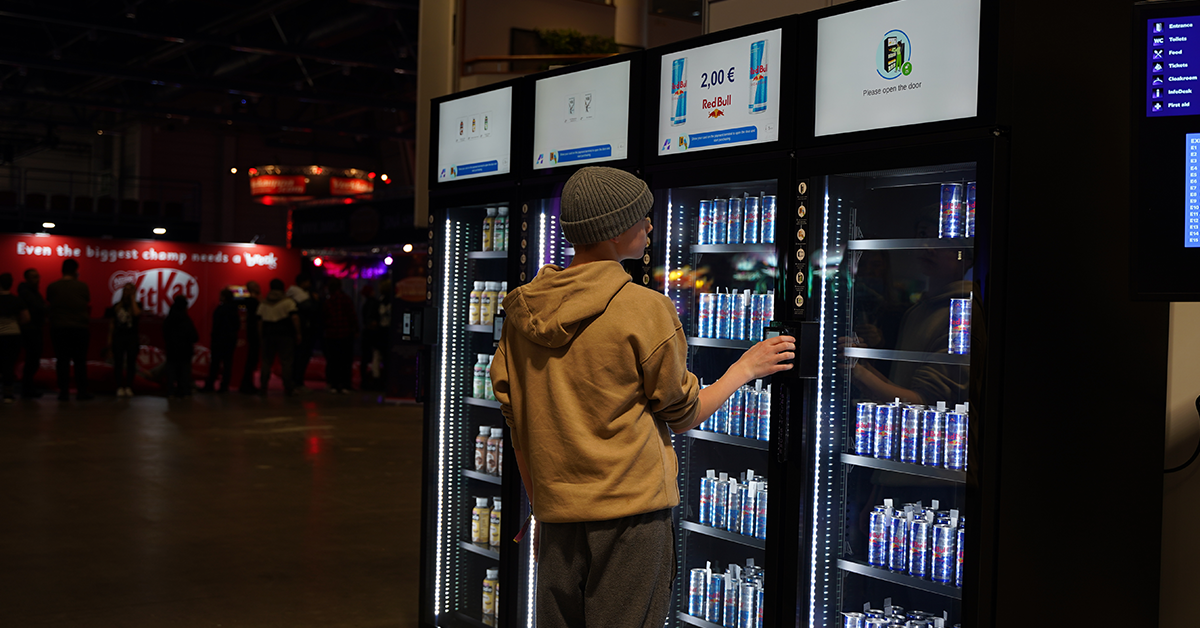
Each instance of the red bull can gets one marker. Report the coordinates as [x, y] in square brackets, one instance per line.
[854, 620]
[721, 505]
[723, 321]
[760, 512]
[733, 586]
[747, 606]
[750, 429]
[679, 91]
[945, 540]
[764, 414]
[707, 489]
[887, 419]
[760, 313]
[898, 543]
[864, 429]
[971, 209]
[758, 76]
[956, 440]
[737, 496]
[933, 448]
[720, 223]
[716, 592]
[958, 570]
[768, 219]
[739, 308]
[877, 538]
[708, 303]
[737, 412]
[721, 426]
[733, 233]
[960, 326]
[920, 533]
[950, 218]
[704, 235]
[753, 218]
[748, 508]
[911, 434]
[697, 592]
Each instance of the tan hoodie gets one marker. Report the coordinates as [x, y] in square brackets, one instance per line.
[591, 372]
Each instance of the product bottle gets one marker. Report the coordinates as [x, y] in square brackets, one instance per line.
[487, 302]
[489, 229]
[479, 521]
[500, 238]
[488, 393]
[476, 297]
[494, 524]
[480, 382]
[481, 448]
[495, 449]
[491, 592]
[500, 296]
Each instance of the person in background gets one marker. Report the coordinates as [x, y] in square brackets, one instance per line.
[338, 340]
[370, 326]
[225, 325]
[124, 339]
[69, 308]
[33, 333]
[13, 314]
[181, 335]
[279, 328]
[253, 343]
[308, 307]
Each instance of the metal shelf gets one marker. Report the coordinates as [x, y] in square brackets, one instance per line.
[480, 329]
[911, 243]
[716, 437]
[720, 343]
[907, 468]
[907, 356]
[487, 255]
[903, 580]
[482, 551]
[483, 403]
[725, 535]
[734, 248]
[482, 477]
[471, 621]
[696, 621]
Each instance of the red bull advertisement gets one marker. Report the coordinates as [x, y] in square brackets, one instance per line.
[758, 76]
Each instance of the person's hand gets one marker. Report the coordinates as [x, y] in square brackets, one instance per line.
[764, 358]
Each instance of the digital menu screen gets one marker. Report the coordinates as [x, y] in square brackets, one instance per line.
[581, 117]
[474, 136]
[720, 95]
[896, 64]
[1172, 66]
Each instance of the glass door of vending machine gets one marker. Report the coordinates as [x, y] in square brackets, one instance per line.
[716, 258]
[473, 505]
[895, 273]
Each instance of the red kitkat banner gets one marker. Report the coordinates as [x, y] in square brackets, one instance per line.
[160, 270]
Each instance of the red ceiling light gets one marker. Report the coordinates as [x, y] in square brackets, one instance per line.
[253, 171]
[371, 175]
[317, 262]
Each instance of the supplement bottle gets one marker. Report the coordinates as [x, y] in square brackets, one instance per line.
[476, 297]
[479, 384]
[495, 449]
[487, 302]
[489, 229]
[479, 521]
[481, 448]
[494, 524]
[500, 236]
[488, 393]
[491, 592]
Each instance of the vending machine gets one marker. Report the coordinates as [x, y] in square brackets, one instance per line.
[720, 168]
[473, 502]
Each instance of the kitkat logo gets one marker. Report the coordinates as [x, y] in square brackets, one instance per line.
[156, 288]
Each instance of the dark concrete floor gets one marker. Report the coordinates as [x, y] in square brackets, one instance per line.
[218, 511]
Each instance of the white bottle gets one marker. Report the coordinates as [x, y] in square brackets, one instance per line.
[495, 449]
[491, 592]
[494, 524]
[500, 237]
[487, 302]
[488, 393]
[481, 448]
[480, 515]
[489, 229]
[476, 298]
[480, 381]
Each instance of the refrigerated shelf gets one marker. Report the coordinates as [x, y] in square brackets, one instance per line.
[726, 535]
[482, 551]
[696, 621]
[911, 243]
[472, 621]
[720, 343]
[906, 468]
[480, 329]
[864, 569]
[907, 356]
[752, 443]
[769, 249]
[482, 477]
[485, 403]
[487, 254]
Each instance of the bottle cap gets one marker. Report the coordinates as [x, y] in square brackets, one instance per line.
[492, 286]
[504, 286]
[479, 285]
[481, 357]
[481, 502]
[493, 574]
[497, 432]
[484, 430]
[503, 211]
[491, 211]
[496, 501]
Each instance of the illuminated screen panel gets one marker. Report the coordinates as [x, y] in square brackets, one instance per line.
[582, 117]
[474, 136]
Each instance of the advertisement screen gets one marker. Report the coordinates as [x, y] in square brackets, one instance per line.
[1172, 66]
[720, 95]
[473, 136]
[907, 62]
[582, 117]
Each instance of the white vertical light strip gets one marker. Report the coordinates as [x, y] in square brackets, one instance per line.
[667, 252]
[443, 404]
[542, 251]
[531, 577]
[825, 286]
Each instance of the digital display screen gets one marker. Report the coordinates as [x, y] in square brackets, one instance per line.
[474, 135]
[720, 95]
[896, 64]
[582, 117]
[1172, 66]
[1191, 214]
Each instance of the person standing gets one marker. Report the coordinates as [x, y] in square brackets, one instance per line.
[253, 342]
[13, 314]
[69, 308]
[225, 325]
[181, 335]
[338, 340]
[124, 339]
[33, 333]
[309, 310]
[279, 325]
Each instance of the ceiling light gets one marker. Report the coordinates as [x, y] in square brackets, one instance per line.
[160, 231]
[233, 171]
[388, 260]
[47, 225]
[408, 248]
[317, 262]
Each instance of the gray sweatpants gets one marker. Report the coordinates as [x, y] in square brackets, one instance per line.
[606, 574]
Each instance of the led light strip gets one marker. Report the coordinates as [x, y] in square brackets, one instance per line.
[824, 269]
[531, 578]
[667, 252]
[544, 259]
[442, 420]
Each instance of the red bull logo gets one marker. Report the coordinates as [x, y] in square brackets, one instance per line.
[677, 87]
[156, 288]
[719, 101]
[716, 113]
[758, 71]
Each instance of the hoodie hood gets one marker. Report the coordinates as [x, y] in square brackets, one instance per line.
[549, 309]
[274, 296]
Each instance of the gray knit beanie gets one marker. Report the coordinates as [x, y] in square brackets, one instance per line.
[600, 203]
